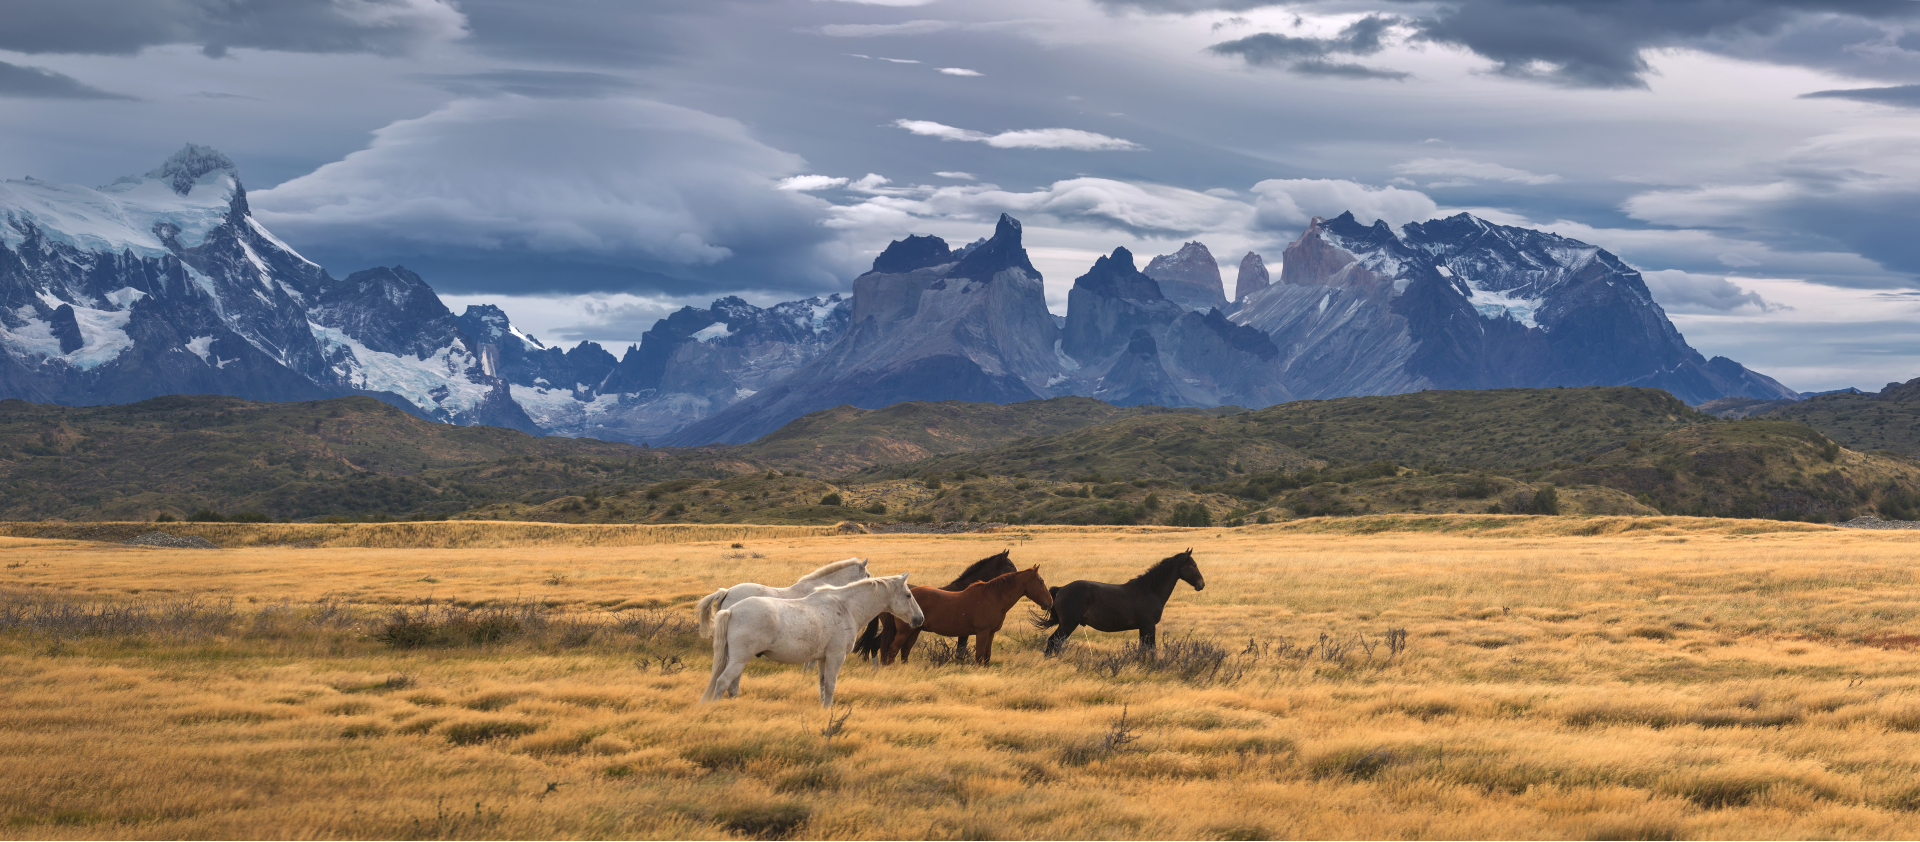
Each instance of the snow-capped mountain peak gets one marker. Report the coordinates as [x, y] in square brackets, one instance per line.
[192, 166]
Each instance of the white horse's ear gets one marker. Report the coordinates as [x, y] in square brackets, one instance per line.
[903, 578]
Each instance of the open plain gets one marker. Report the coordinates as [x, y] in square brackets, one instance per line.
[1405, 676]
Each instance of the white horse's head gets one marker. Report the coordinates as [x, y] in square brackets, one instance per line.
[900, 601]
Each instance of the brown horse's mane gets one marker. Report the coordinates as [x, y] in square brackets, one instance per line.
[1163, 569]
[976, 571]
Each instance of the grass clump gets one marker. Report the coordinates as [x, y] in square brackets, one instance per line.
[486, 731]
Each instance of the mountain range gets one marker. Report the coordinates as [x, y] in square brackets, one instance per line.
[166, 284]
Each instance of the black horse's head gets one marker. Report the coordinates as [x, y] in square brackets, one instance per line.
[1189, 572]
[984, 570]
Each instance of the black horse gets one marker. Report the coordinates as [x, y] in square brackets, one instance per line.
[1112, 608]
[878, 634]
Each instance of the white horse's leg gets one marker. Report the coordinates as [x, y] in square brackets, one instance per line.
[721, 654]
[829, 676]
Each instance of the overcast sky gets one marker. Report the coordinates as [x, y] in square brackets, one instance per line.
[590, 165]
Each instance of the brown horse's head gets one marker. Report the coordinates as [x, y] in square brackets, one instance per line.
[1034, 588]
[1189, 572]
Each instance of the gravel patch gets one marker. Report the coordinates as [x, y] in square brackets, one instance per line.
[177, 542]
[1871, 522]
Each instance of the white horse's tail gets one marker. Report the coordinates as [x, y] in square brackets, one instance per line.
[715, 692]
[704, 610]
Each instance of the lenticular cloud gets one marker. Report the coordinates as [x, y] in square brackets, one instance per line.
[1022, 138]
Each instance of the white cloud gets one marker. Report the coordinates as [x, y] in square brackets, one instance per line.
[1686, 292]
[1464, 168]
[811, 182]
[960, 71]
[963, 176]
[1021, 138]
[656, 186]
[873, 30]
[1289, 204]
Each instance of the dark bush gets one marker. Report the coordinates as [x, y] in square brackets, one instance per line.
[1190, 514]
[832, 499]
[206, 516]
[876, 509]
[165, 517]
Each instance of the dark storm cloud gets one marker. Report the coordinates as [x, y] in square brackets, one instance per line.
[124, 27]
[1601, 43]
[40, 83]
[1310, 55]
[1902, 95]
[598, 31]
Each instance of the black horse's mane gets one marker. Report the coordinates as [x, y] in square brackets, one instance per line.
[1164, 568]
[979, 571]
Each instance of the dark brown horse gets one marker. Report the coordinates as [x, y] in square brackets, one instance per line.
[981, 610]
[1137, 604]
[879, 635]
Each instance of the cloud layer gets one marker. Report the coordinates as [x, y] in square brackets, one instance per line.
[1021, 138]
[666, 191]
[385, 27]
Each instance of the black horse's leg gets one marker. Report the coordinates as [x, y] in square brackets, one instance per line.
[1146, 638]
[960, 648]
[1059, 637]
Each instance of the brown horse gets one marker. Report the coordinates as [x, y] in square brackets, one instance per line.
[979, 610]
[879, 636]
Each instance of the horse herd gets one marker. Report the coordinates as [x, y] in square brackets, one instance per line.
[818, 620]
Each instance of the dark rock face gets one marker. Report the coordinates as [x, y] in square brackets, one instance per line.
[1190, 278]
[914, 252]
[1252, 278]
[975, 330]
[66, 328]
[1115, 314]
[1108, 303]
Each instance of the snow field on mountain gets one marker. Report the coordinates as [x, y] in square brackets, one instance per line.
[432, 383]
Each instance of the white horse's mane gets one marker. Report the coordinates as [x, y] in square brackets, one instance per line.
[830, 569]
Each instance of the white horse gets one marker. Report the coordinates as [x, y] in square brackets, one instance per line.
[820, 626]
[843, 572]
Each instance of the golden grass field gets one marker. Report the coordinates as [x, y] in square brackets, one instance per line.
[1619, 678]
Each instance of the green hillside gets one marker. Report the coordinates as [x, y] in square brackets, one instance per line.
[845, 439]
[1508, 429]
[1886, 421]
[1756, 468]
[1070, 460]
[347, 457]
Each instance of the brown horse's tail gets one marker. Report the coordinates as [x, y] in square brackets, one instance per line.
[1046, 618]
[868, 646]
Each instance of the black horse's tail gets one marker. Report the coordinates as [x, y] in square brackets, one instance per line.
[868, 646]
[1046, 618]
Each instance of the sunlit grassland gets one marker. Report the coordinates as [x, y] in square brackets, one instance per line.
[1680, 678]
